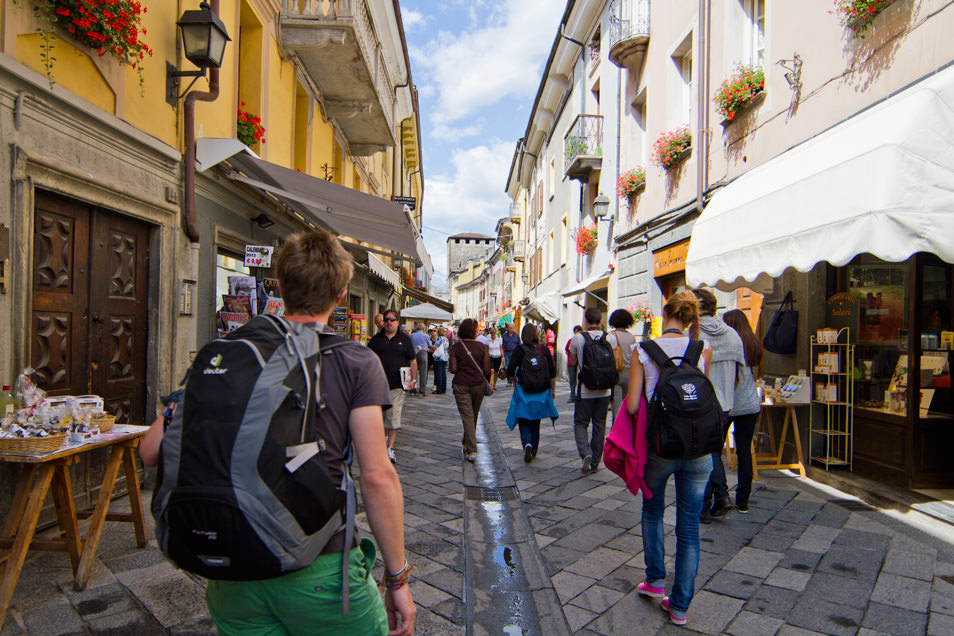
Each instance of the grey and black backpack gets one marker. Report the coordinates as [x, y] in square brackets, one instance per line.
[244, 493]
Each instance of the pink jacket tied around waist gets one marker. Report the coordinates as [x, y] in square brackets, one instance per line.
[627, 448]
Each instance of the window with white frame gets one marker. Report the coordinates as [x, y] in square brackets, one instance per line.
[682, 60]
[755, 12]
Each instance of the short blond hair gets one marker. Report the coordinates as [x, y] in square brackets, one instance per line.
[313, 269]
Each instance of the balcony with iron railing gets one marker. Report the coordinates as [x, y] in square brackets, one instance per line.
[629, 32]
[583, 147]
[338, 49]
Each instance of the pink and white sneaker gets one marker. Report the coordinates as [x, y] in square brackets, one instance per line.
[673, 618]
[646, 589]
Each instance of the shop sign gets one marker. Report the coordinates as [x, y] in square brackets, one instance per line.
[671, 259]
[258, 255]
[409, 203]
[842, 311]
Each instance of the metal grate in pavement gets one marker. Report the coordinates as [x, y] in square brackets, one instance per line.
[478, 493]
[853, 505]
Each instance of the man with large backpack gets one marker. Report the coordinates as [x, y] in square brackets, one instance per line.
[256, 493]
[598, 375]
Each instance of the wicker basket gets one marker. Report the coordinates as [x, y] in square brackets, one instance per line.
[104, 423]
[31, 445]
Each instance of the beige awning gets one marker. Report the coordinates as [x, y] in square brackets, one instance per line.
[330, 206]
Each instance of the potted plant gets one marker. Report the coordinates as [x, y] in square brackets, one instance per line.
[642, 312]
[107, 26]
[631, 182]
[739, 91]
[859, 14]
[672, 147]
[586, 239]
[249, 129]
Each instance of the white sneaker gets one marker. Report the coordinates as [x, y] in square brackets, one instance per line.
[391, 456]
[471, 457]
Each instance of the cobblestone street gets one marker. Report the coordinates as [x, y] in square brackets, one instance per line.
[503, 547]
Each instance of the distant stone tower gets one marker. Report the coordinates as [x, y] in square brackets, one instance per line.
[463, 248]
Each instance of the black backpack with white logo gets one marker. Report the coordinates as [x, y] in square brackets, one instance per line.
[684, 420]
[599, 365]
[533, 376]
[244, 493]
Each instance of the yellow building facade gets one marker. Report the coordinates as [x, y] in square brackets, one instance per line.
[109, 282]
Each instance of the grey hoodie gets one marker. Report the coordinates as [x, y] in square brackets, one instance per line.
[727, 357]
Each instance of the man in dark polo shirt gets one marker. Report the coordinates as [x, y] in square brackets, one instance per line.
[396, 351]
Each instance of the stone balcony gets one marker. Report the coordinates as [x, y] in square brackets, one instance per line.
[338, 49]
[628, 33]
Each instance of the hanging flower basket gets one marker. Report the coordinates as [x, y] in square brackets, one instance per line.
[106, 26]
[631, 182]
[858, 15]
[586, 239]
[249, 129]
[672, 148]
[739, 91]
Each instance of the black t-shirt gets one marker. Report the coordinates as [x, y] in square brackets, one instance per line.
[395, 352]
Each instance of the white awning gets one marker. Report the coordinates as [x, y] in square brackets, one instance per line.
[544, 308]
[881, 182]
[426, 311]
[588, 283]
[382, 271]
[342, 210]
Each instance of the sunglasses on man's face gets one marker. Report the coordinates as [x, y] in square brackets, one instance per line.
[390, 320]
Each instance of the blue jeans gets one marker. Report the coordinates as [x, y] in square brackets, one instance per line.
[529, 434]
[574, 385]
[440, 376]
[692, 475]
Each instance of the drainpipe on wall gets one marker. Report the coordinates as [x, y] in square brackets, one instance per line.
[702, 163]
[188, 125]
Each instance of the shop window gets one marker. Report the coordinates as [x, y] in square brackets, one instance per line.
[881, 360]
[936, 338]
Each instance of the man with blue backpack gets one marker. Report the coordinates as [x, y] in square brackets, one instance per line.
[255, 492]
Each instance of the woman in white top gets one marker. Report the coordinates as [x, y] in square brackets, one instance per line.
[495, 344]
[691, 475]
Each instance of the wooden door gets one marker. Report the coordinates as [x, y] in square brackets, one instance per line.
[750, 303]
[90, 298]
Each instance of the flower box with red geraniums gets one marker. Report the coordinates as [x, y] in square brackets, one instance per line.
[106, 26]
[859, 14]
[249, 129]
[739, 91]
[631, 182]
[586, 239]
[672, 147]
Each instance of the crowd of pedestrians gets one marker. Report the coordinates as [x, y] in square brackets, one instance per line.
[610, 373]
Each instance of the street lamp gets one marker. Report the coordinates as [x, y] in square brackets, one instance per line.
[204, 38]
[601, 206]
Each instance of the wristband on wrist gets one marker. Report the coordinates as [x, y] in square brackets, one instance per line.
[398, 579]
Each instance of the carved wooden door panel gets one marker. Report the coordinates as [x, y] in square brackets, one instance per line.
[90, 295]
[117, 313]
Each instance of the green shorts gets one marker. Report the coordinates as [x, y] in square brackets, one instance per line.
[307, 601]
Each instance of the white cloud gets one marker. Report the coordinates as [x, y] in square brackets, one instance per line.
[412, 19]
[452, 134]
[498, 59]
[470, 201]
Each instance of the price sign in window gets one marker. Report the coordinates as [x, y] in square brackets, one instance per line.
[258, 255]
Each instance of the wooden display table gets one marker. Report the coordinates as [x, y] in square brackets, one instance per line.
[38, 474]
[765, 427]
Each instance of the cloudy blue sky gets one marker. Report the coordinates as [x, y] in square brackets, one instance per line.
[477, 66]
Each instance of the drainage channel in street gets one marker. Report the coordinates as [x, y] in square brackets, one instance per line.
[507, 589]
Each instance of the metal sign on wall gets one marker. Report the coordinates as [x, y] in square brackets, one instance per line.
[410, 203]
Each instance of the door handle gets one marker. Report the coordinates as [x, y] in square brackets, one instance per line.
[97, 318]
